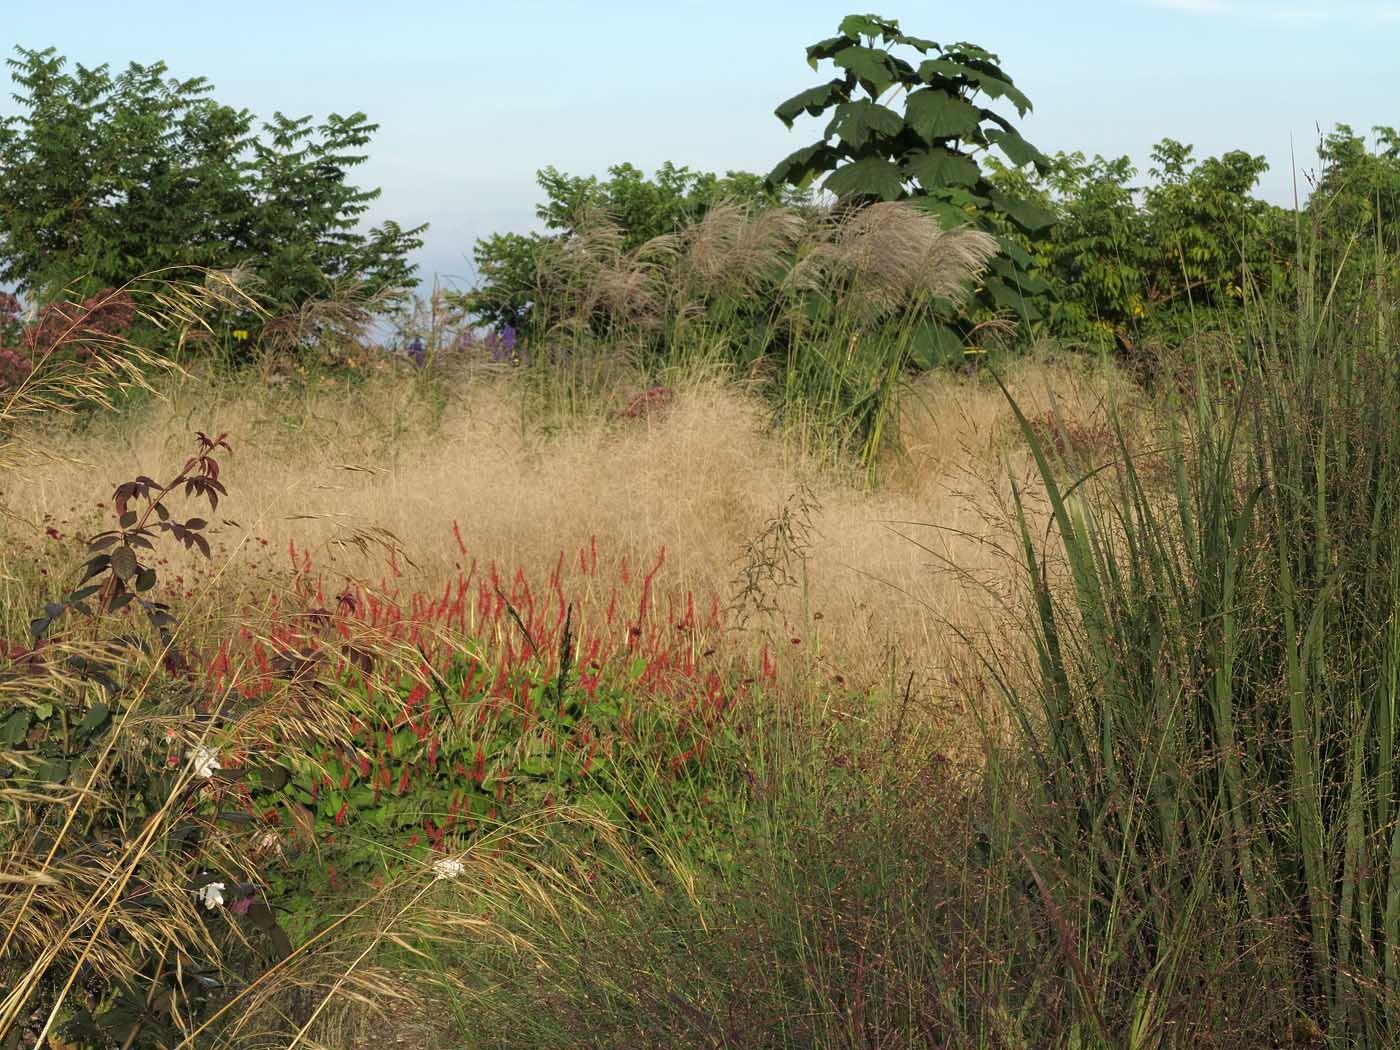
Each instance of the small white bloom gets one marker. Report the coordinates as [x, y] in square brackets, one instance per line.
[211, 895]
[448, 867]
[205, 761]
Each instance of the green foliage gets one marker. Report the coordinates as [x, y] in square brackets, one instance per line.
[1204, 221]
[928, 153]
[104, 177]
[641, 208]
[1127, 261]
[433, 764]
[1097, 252]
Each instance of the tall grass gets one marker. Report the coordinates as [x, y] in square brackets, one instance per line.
[1213, 734]
[826, 308]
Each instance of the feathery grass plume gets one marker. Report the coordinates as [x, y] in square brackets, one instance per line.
[889, 255]
[588, 279]
[738, 252]
[77, 363]
[342, 316]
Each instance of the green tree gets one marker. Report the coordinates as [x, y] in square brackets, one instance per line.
[104, 177]
[930, 152]
[1203, 224]
[1096, 254]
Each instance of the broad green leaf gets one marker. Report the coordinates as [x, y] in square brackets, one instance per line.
[124, 565]
[935, 114]
[16, 727]
[1012, 249]
[948, 215]
[52, 770]
[1030, 217]
[965, 52]
[813, 101]
[856, 122]
[857, 26]
[1008, 296]
[1017, 149]
[828, 47]
[922, 44]
[96, 715]
[802, 166]
[934, 69]
[940, 167]
[869, 65]
[868, 177]
[934, 345]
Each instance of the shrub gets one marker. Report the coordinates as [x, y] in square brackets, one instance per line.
[149, 172]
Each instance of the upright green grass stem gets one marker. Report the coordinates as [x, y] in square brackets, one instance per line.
[1214, 721]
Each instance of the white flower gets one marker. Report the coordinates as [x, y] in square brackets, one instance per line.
[211, 894]
[205, 761]
[448, 867]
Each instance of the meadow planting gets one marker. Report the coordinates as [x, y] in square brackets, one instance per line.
[959, 611]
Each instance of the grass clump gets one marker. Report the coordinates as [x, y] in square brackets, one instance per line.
[1212, 737]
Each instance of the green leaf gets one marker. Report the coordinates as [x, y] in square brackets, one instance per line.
[124, 564]
[16, 727]
[95, 717]
[272, 777]
[828, 47]
[948, 214]
[856, 26]
[868, 177]
[935, 114]
[1017, 149]
[1030, 217]
[801, 166]
[935, 345]
[935, 69]
[1012, 248]
[51, 771]
[869, 65]
[855, 123]
[939, 167]
[813, 101]
[922, 44]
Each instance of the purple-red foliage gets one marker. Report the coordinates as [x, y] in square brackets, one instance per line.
[68, 330]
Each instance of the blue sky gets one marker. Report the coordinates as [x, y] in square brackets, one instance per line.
[474, 97]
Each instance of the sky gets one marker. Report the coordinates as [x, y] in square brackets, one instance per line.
[472, 98]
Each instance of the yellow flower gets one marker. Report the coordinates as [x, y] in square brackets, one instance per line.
[240, 334]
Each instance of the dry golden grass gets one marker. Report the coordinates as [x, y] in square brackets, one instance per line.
[348, 472]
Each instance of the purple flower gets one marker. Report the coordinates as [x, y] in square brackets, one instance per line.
[415, 351]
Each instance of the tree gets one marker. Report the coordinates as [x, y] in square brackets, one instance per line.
[929, 152]
[1096, 253]
[104, 177]
[1202, 221]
